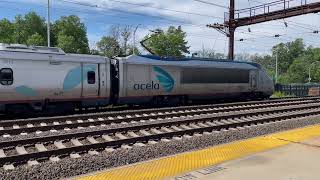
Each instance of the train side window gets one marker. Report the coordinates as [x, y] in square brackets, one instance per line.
[6, 76]
[91, 76]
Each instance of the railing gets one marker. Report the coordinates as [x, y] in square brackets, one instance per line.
[299, 90]
[266, 8]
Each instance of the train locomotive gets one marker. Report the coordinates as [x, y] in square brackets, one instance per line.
[42, 79]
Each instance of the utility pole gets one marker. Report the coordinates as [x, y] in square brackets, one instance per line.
[48, 23]
[236, 20]
[276, 67]
[231, 30]
[134, 39]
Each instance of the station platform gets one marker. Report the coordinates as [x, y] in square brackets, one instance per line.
[290, 155]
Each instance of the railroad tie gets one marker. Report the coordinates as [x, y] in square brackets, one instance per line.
[185, 127]
[144, 132]
[91, 120]
[133, 134]
[59, 145]
[165, 140]
[207, 133]
[43, 124]
[21, 150]
[139, 144]
[76, 142]
[152, 142]
[30, 125]
[109, 150]
[75, 155]
[156, 131]
[38, 132]
[8, 167]
[15, 127]
[54, 159]
[92, 140]
[165, 129]
[177, 138]
[100, 119]
[176, 128]
[194, 126]
[6, 135]
[203, 125]
[56, 123]
[33, 163]
[41, 147]
[120, 136]
[80, 121]
[93, 152]
[68, 122]
[107, 138]
[2, 154]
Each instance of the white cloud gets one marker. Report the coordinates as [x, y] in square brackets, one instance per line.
[198, 37]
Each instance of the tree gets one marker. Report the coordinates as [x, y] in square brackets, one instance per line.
[210, 53]
[67, 43]
[287, 53]
[6, 31]
[122, 34]
[36, 40]
[71, 35]
[108, 46]
[168, 43]
[28, 25]
[136, 50]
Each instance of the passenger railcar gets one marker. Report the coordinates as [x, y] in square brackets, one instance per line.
[145, 79]
[41, 78]
[47, 79]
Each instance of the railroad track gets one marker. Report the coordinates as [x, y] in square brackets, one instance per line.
[72, 144]
[24, 126]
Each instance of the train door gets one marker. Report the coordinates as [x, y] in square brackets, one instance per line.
[253, 80]
[90, 80]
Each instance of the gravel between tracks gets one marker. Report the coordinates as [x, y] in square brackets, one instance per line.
[72, 167]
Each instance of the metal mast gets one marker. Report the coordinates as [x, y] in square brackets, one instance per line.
[48, 23]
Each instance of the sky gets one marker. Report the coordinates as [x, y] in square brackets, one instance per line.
[192, 15]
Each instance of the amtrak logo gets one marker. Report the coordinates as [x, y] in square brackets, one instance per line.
[165, 79]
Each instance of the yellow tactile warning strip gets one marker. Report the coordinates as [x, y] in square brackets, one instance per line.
[186, 162]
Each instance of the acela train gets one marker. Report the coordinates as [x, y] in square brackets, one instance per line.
[38, 79]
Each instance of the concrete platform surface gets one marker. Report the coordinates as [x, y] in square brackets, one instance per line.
[289, 155]
[296, 161]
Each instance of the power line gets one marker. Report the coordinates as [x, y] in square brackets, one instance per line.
[213, 4]
[122, 11]
[165, 9]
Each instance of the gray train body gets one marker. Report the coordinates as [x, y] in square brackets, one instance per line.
[47, 79]
[149, 79]
[38, 77]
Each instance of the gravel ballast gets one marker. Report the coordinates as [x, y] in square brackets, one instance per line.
[68, 167]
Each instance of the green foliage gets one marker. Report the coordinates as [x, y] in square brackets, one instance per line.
[108, 46]
[31, 29]
[168, 43]
[71, 35]
[287, 53]
[28, 25]
[36, 40]
[6, 31]
[279, 94]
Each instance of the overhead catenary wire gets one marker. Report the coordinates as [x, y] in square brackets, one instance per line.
[164, 9]
[211, 3]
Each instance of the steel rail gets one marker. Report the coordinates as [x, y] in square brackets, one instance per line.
[18, 159]
[64, 124]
